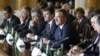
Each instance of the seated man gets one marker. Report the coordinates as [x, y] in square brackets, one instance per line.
[37, 24]
[50, 27]
[64, 30]
[92, 49]
[10, 19]
[24, 19]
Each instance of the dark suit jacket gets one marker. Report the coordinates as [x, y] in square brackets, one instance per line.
[82, 25]
[95, 51]
[38, 28]
[24, 26]
[48, 34]
[13, 22]
[67, 31]
[70, 18]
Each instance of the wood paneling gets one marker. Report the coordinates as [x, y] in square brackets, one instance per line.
[21, 3]
[4, 3]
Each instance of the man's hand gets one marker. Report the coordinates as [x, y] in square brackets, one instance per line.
[75, 51]
[29, 35]
[32, 23]
[45, 40]
[80, 35]
[22, 19]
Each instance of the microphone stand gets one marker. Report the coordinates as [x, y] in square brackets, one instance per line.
[58, 42]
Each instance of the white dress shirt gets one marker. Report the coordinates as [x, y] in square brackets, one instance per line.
[61, 26]
[80, 20]
[9, 19]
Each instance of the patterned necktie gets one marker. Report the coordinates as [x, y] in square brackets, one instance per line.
[48, 27]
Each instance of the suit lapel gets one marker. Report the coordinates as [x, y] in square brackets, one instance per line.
[11, 21]
[95, 47]
[82, 22]
[6, 23]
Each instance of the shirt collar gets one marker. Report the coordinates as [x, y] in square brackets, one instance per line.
[50, 22]
[9, 18]
[61, 26]
[80, 20]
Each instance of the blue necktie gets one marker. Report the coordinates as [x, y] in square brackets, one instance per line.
[60, 33]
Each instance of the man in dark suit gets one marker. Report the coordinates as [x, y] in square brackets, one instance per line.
[24, 19]
[50, 27]
[37, 24]
[10, 19]
[22, 28]
[64, 30]
[93, 48]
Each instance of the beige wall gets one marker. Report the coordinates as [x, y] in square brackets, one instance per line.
[14, 4]
[18, 4]
[1, 16]
[87, 3]
[33, 3]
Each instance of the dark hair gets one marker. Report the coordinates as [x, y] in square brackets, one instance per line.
[50, 10]
[28, 9]
[63, 12]
[91, 9]
[8, 9]
[36, 10]
[96, 12]
[81, 10]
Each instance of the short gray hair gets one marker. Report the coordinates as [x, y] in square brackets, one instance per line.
[37, 11]
[62, 11]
